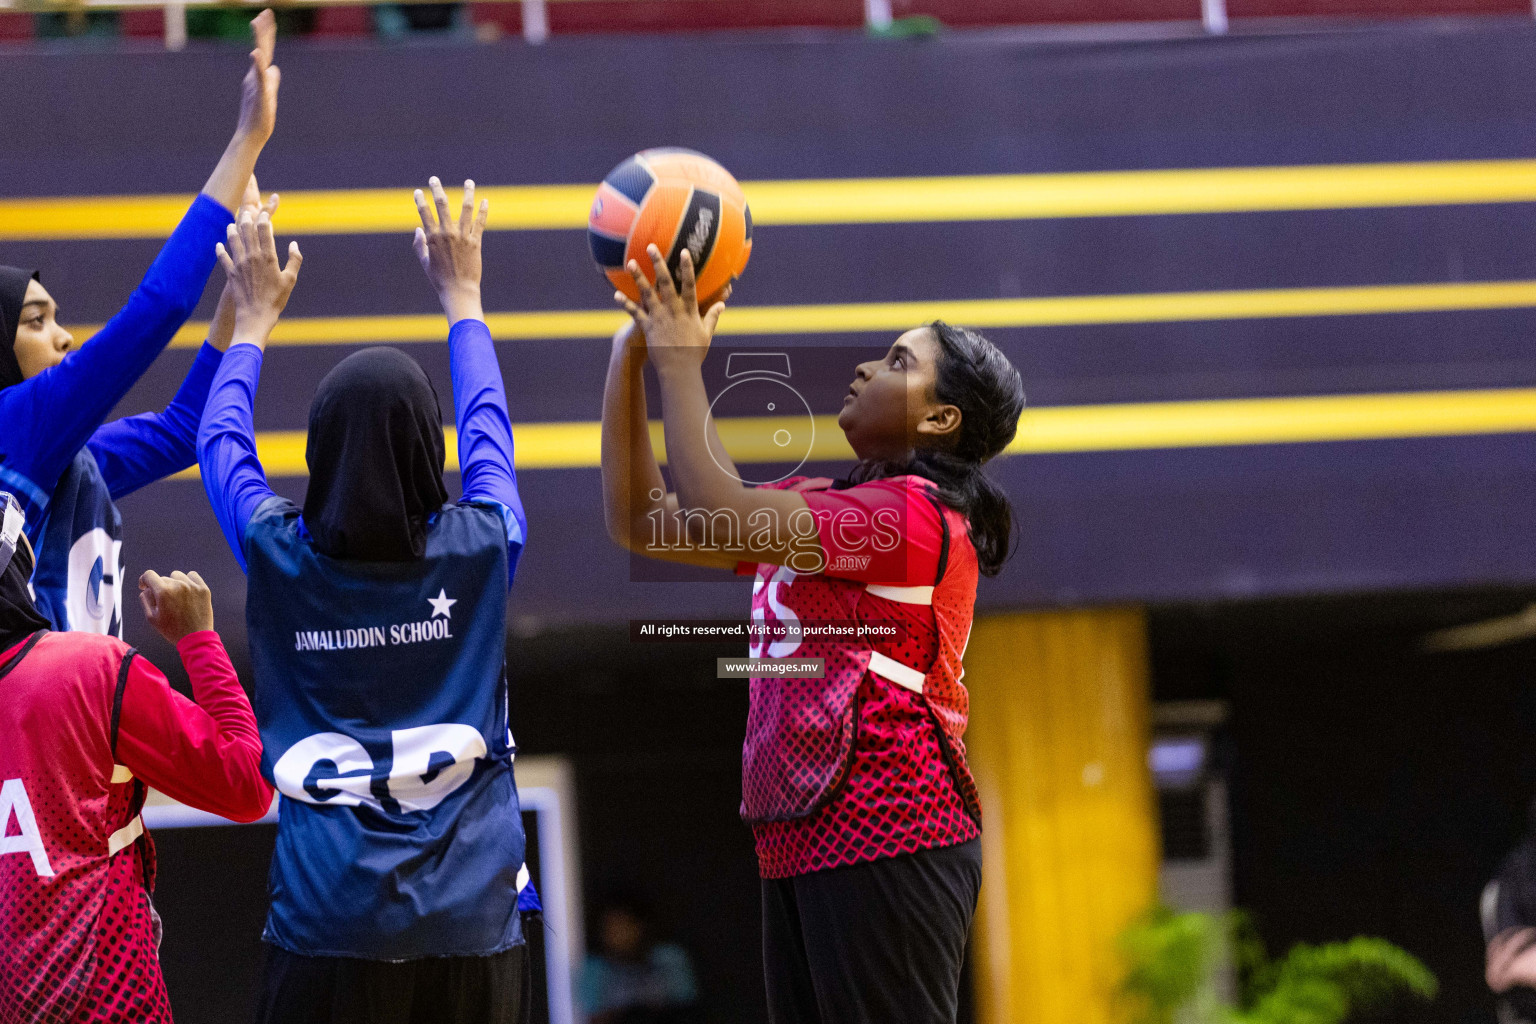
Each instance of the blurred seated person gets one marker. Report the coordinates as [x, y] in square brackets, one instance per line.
[1509, 929]
[631, 978]
[76, 22]
[393, 21]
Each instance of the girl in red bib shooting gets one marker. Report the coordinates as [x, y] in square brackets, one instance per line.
[855, 782]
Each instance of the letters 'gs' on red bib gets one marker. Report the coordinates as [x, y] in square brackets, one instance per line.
[894, 555]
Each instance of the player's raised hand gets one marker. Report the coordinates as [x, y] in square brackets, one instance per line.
[222, 330]
[253, 202]
[668, 313]
[258, 118]
[258, 92]
[176, 606]
[258, 286]
[1512, 960]
[630, 338]
[449, 249]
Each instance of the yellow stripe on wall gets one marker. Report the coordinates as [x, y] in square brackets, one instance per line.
[858, 317]
[849, 200]
[1233, 421]
[1060, 429]
[1140, 193]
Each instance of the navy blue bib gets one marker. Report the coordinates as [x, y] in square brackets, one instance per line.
[78, 580]
[382, 699]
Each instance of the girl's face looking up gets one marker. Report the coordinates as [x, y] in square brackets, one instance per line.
[891, 407]
[40, 341]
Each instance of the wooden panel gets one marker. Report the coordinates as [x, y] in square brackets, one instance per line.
[1058, 740]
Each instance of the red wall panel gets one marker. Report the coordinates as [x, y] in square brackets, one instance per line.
[15, 26]
[508, 17]
[1021, 12]
[343, 21]
[1372, 8]
[684, 15]
[141, 24]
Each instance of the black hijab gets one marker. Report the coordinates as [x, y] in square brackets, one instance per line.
[375, 457]
[13, 291]
[19, 617]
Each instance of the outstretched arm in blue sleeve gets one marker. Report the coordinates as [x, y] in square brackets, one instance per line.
[226, 446]
[138, 450]
[46, 419]
[258, 289]
[449, 250]
[485, 430]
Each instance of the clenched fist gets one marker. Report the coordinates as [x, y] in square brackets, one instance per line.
[176, 606]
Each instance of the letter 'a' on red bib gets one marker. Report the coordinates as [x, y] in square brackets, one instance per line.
[70, 827]
[801, 732]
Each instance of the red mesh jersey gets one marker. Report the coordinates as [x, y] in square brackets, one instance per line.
[127, 984]
[86, 727]
[867, 762]
[69, 863]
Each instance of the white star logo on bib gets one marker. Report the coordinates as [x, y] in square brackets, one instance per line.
[441, 603]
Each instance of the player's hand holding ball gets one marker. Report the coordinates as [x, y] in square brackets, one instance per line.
[178, 605]
[631, 338]
[677, 335]
[449, 250]
[259, 286]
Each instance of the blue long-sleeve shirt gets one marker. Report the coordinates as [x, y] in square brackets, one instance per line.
[47, 419]
[66, 468]
[388, 882]
[237, 484]
[138, 450]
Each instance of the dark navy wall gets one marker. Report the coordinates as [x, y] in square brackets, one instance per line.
[1149, 525]
[653, 736]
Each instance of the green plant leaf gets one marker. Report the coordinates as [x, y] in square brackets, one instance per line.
[1171, 958]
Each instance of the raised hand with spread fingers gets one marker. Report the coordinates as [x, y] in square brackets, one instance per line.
[449, 249]
[221, 330]
[259, 286]
[668, 314]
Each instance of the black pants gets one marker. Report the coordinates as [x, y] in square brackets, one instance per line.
[435, 990]
[876, 943]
